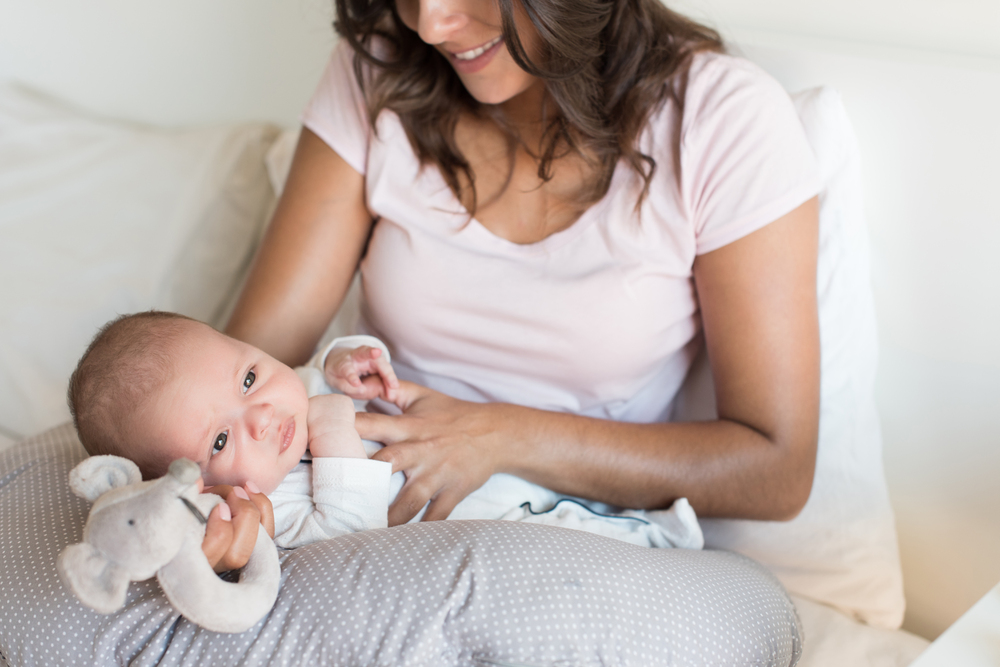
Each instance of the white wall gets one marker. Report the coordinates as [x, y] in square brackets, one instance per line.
[170, 62]
[967, 27]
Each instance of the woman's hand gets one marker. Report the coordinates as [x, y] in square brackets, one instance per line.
[231, 532]
[446, 447]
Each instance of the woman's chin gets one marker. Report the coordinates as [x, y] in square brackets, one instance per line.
[490, 90]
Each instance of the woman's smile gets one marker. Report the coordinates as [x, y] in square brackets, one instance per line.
[473, 60]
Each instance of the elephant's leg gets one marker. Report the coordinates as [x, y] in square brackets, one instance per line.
[221, 606]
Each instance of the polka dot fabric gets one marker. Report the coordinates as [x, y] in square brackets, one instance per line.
[455, 593]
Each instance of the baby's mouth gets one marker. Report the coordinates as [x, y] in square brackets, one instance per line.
[287, 434]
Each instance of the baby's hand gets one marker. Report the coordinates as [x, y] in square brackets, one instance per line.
[331, 427]
[361, 373]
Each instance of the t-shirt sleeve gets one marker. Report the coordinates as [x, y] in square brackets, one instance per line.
[337, 113]
[745, 159]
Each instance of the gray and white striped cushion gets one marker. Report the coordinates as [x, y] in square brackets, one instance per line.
[437, 594]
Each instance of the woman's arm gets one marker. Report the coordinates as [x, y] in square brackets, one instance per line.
[308, 256]
[758, 305]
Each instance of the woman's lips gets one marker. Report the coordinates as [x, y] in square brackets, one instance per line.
[287, 434]
[477, 63]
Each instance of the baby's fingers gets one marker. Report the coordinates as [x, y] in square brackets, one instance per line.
[349, 383]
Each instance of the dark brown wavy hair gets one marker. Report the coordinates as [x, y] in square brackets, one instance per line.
[607, 65]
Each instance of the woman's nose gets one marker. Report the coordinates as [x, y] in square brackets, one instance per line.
[438, 20]
[259, 419]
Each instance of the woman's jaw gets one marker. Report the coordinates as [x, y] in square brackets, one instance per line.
[468, 33]
[491, 76]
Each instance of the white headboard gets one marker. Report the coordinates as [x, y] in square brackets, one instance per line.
[927, 123]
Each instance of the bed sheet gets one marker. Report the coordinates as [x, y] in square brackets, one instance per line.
[831, 639]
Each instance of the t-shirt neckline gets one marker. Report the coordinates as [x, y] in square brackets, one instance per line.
[476, 232]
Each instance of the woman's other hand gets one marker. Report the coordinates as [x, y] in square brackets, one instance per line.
[231, 532]
[447, 449]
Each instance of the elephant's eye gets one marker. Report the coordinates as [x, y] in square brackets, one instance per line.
[220, 443]
[248, 381]
[131, 522]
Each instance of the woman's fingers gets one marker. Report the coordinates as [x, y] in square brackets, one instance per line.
[246, 518]
[380, 428]
[218, 534]
[411, 499]
[445, 447]
[236, 543]
[442, 504]
[409, 393]
[264, 507]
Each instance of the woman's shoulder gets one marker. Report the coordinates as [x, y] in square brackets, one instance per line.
[720, 84]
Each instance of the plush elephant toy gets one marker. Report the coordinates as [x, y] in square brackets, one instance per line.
[137, 529]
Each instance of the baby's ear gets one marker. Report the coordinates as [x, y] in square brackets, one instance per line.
[97, 475]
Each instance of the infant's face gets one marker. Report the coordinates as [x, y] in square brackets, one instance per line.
[237, 412]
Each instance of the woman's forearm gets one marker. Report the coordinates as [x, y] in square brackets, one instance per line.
[722, 467]
[758, 309]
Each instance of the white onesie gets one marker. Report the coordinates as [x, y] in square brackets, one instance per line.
[326, 497]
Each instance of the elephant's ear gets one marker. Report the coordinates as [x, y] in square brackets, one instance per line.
[96, 581]
[96, 475]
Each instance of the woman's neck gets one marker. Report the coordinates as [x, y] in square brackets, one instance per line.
[528, 113]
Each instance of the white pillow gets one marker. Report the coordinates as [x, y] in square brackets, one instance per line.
[99, 218]
[841, 550]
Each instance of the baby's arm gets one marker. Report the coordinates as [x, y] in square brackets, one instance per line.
[331, 428]
[342, 491]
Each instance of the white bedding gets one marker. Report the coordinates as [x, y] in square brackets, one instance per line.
[830, 637]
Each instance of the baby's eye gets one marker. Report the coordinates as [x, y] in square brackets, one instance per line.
[220, 443]
[248, 380]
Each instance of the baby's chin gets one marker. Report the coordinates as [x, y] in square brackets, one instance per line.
[282, 468]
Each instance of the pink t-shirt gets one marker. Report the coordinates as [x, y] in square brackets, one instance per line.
[599, 319]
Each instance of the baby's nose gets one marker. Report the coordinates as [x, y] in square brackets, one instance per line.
[260, 418]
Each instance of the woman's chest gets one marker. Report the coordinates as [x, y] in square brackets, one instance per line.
[507, 195]
[598, 305]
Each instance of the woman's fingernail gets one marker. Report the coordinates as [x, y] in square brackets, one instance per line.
[225, 513]
[241, 493]
[252, 488]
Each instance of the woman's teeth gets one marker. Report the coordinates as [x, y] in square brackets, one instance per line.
[475, 53]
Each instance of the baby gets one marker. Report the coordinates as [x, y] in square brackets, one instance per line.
[155, 386]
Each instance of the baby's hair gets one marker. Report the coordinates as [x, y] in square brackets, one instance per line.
[126, 362]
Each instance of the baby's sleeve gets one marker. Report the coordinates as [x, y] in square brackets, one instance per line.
[745, 160]
[348, 496]
[337, 112]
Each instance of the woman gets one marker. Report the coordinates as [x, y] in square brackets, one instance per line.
[557, 199]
